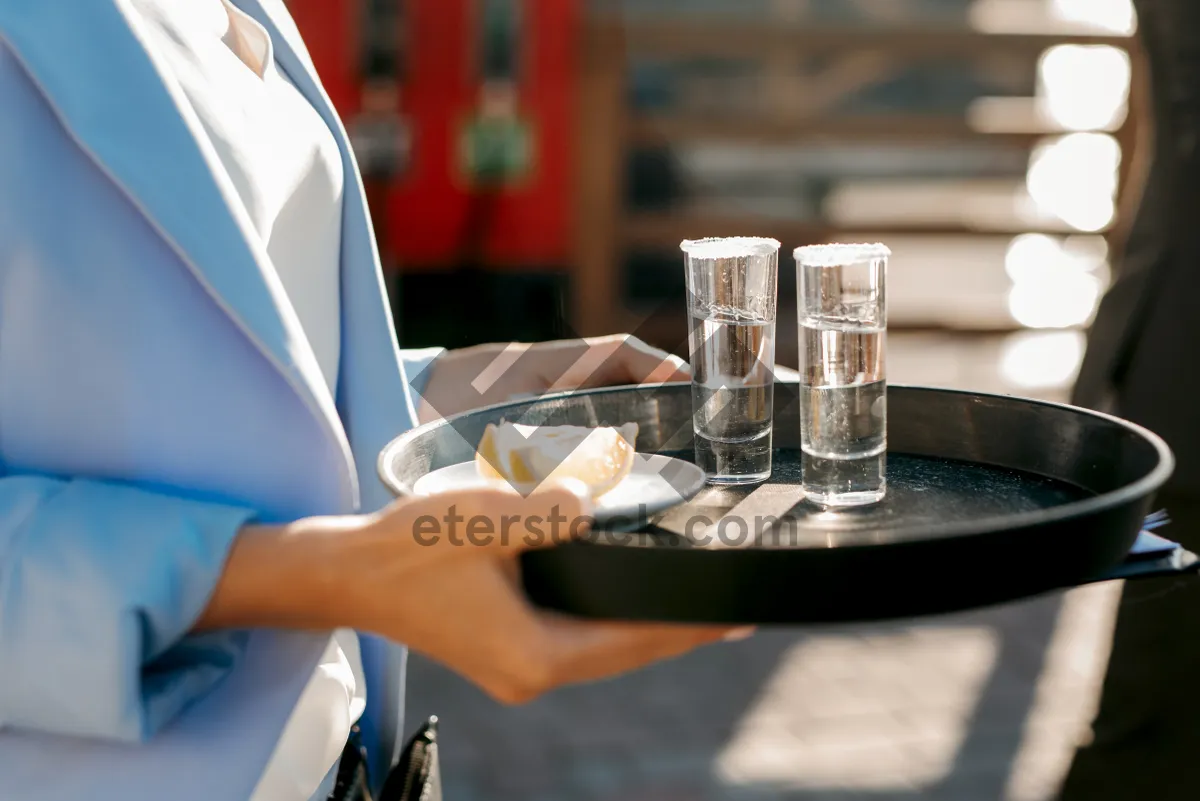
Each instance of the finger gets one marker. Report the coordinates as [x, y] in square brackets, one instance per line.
[622, 359]
[494, 518]
[636, 362]
[673, 368]
[641, 363]
[589, 651]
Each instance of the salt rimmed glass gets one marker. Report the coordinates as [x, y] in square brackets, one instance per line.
[732, 292]
[842, 308]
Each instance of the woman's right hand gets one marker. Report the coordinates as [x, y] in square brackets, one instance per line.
[440, 575]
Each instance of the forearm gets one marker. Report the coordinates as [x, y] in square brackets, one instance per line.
[287, 576]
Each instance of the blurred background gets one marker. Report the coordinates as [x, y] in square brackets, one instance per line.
[532, 166]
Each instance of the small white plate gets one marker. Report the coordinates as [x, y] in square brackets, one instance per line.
[655, 484]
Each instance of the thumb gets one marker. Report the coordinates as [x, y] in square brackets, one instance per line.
[497, 519]
[558, 511]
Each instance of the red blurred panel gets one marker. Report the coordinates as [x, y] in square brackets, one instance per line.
[534, 224]
[433, 218]
[427, 209]
[330, 30]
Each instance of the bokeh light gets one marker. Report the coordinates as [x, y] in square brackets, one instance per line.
[1074, 178]
[1057, 283]
[1084, 87]
[1040, 360]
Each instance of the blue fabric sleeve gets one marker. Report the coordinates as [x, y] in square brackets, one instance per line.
[99, 585]
[418, 366]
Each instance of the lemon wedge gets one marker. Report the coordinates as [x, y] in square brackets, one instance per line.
[525, 456]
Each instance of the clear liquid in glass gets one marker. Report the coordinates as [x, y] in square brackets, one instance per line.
[733, 354]
[843, 411]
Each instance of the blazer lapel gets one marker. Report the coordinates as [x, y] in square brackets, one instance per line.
[373, 396]
[105, 85]
[374, 389]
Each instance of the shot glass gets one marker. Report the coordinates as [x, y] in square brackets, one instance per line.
[842, 309]
[732, 287]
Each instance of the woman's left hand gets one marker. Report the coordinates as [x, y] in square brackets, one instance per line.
[479, 376]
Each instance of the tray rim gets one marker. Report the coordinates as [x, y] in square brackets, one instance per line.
[1144, 486]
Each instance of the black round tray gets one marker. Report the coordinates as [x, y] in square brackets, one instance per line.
[990, 498]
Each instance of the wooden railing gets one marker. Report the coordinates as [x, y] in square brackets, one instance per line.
[791, 112]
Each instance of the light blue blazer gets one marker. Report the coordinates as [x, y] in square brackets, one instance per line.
[156, 393]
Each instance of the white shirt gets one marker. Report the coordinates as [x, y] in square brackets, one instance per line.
[287, 169]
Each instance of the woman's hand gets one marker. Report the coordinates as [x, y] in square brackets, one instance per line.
[473, 377]
[440, 575]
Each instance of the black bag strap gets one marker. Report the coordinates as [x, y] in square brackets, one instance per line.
[415, 777]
